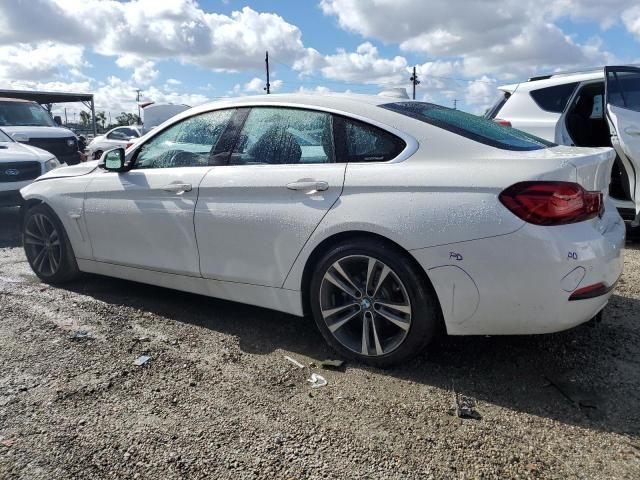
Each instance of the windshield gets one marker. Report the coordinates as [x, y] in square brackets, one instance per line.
[24, 114]
[4, 137]
[470, 126]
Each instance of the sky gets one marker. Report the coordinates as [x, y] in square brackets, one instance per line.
[190, 51]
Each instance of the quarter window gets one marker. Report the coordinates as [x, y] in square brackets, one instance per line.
[190, 143]
[554, 99]
[284, 136]
[366, 143]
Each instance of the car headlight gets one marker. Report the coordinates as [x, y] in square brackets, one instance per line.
[51, 164]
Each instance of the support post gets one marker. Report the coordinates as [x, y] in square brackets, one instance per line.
[93, 117]
[266, 61]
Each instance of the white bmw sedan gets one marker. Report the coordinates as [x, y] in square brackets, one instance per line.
[384, 219]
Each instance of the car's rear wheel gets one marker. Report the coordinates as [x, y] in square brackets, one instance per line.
[372, 303]
[47, 246]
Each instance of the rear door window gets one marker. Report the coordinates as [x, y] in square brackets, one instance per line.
[476, 128]
[277, 135]
[554, 99]
[623, 87]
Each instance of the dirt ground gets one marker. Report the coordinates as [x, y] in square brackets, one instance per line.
[217, 399]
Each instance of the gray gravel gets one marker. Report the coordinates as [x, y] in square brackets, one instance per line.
[217, 399]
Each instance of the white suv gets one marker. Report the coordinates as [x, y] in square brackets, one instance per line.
[597, 108]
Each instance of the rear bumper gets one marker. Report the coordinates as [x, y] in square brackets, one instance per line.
[522, 281]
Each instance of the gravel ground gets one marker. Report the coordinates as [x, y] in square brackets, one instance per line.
[217, 399]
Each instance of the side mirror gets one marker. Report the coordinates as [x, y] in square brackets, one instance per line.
[57, 119]
[113, 160]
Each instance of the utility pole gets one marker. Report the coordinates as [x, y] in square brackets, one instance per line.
[138, 100]
[65, 115]
[266, 62]
[414, 81]
[455, 103]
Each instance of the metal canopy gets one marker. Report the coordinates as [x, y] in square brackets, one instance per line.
[47, 98]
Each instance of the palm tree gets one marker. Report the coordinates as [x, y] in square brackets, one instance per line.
[85, 118]
[101, 118]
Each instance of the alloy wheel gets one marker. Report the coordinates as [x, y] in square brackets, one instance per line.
[365, 305]
[42, 244]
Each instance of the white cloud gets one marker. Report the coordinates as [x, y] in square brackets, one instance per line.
[258, 85]
[631, 19]
[173, 81]
[44, 61]
[481, 93]
[509, 37]
[364, 66]
[154, 30]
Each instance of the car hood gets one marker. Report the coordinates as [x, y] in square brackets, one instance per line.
[38, 132]
[18, 152]
[96, 139]
[72, 171]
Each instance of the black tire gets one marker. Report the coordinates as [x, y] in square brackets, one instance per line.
[97, 154]
[423, 317]
[52, 259]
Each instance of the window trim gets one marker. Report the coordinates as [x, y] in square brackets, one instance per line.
[411, 143]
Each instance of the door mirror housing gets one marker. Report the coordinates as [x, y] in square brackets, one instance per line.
[113, 160]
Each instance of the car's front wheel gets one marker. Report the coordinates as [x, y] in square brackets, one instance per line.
[97, 154]
[372, 303]
[47, 246]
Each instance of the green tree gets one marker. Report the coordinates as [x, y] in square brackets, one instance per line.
[101, 118]
[127, 119]
[85, 118]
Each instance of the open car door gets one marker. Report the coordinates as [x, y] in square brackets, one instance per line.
[622, 100]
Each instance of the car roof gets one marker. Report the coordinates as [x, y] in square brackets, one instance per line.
[558, 78]
[309, 99]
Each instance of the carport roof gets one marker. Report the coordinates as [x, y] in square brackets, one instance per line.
[47, 97]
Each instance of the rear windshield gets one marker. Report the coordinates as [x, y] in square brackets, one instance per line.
[470, 126]
[492, 112]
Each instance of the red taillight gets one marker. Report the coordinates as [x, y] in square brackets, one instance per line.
[128, 145]
[551, 203]
[592, 291]
[504, 123]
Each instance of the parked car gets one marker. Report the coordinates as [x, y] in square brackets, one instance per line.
[598, 108]
[27, 122]
[385, 219]
[155, 114]
[116, 137]
[19, 166]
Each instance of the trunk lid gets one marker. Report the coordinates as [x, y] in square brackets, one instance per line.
[593, 165]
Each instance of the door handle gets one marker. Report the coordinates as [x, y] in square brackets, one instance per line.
[632, 131]
[308, 186]
[178, 188]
